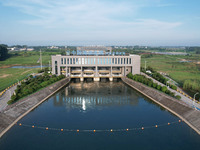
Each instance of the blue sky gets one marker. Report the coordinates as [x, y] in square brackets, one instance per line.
[100, 22]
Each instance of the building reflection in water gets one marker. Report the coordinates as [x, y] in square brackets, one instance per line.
[86, 96]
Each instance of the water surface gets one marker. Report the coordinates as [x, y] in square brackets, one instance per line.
[100, 106]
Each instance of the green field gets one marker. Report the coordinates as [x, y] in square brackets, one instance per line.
[172, 65]
[8, 76]
[27, 58]
[179, 71]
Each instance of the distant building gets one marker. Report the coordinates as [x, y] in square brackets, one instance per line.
[94, 50]
[102, 64]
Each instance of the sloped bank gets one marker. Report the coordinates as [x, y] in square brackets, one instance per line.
[178, 108]
[18, 110]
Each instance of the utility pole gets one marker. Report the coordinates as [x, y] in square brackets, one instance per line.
[145, 66]
[40, 59]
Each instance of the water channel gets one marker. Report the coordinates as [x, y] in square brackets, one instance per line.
[100, 106]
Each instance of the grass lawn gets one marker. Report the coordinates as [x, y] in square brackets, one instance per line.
[27, 59]
[8, 76]
[179, 71]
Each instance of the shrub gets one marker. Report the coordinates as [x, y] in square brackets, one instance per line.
[164, 89]
[178, 97]
[158, 87]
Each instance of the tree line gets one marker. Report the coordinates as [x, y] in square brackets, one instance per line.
[3, 52]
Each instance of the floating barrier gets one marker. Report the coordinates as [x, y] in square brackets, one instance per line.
[100, 130]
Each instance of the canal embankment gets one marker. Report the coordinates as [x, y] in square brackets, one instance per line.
[13, 113]
[182, 110]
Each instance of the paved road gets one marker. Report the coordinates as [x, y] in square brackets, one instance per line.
[183, 98]
[6, 97]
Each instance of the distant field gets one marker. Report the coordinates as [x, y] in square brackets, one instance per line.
[29, 58]
[179, 71]
[8, 76]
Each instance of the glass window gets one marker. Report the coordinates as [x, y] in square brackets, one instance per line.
[129, 60]
[94, 61]
[68, 61]
[61, 60]
[124, 60]
[56, 67]
[79, 61]
[83, 61]
[65, 61]
[112, 60]
[118, 60]
[121, 60]
[115, 60]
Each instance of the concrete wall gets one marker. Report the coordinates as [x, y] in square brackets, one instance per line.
[178, 108]
[16, 111]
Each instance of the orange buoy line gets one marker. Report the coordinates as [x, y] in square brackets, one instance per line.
[103, 130]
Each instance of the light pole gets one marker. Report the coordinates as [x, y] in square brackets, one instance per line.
[10, 92]
[18, 81]
[194, 98]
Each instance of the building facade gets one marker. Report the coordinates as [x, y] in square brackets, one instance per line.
[95, 66]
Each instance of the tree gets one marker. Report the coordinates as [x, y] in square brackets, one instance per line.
[3, 52]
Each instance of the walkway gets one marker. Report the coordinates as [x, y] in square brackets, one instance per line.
[183, 97]
[6, 97]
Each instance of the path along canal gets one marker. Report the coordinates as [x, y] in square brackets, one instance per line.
[103, 107]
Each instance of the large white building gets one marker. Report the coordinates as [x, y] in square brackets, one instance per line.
[103, 64]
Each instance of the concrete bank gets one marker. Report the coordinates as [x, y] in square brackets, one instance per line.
[178, 108]
[13, 113]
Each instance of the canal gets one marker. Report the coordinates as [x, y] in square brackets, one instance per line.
[103, 107]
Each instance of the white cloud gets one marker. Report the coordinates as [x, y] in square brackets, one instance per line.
[85, 14]
[93, 19]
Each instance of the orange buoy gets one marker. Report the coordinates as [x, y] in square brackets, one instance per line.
[77, 130]
[142, 128]
[47, 128]
[111, 130]
[61, 129]
[33, 126]
[20, 124]
[127, 129]
[168, 123]
[94, 130]
[156, 126]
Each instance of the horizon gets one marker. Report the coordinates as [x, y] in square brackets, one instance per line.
[94, 22]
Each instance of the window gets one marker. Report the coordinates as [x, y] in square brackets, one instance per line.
[129, 60]
[118, 60]
[56, 67]
[61, 60]
[121, 60]
[65, 61]
[115, 60]
[68, 61]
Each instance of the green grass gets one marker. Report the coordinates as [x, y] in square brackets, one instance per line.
[9, 76]
[177, 70]
[28, 59]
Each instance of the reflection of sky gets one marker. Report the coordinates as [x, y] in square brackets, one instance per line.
[84, 97]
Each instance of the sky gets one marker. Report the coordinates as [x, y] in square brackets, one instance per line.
[100, 22]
